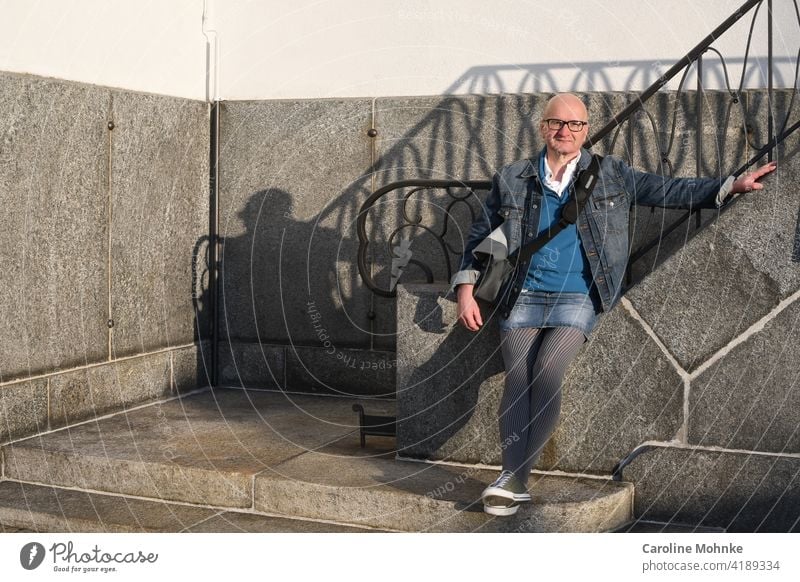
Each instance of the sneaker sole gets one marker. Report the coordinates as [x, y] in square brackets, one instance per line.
[505, 495]
[494, 501]
[502, 510]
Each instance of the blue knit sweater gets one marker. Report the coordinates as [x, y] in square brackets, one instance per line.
[561, 264]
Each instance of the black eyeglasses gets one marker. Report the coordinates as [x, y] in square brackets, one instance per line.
[573, 125]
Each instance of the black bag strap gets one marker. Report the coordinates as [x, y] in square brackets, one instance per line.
[584, 184]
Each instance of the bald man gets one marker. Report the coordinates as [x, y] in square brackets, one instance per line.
[551, 304]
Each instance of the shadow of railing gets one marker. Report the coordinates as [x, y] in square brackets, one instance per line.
[283, 261]
[665, 151]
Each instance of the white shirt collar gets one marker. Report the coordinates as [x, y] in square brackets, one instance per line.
[559, 187]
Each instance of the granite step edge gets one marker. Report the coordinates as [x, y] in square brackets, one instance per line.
[149, 479]
[388, 493]
[45, 508]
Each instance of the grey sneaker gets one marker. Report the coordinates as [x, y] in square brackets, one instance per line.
[504, 495]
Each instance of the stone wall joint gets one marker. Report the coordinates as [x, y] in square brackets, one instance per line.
[650, 332]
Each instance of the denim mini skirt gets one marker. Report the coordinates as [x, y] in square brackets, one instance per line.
[553, 309]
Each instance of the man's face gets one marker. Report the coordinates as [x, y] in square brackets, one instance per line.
[564, 141]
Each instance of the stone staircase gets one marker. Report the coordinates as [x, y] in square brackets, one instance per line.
[228, 460]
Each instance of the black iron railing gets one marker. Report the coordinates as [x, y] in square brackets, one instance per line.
[459, 192]
[398, 242]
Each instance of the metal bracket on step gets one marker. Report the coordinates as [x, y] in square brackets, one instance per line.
[616, 474]
[369, 424]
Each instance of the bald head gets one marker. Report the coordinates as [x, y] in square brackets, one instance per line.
[564, 141]
[565, 106]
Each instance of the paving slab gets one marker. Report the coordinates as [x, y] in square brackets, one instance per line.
[640, 526]
[91, 392]
[50, 509]
[252, 365]
[36, 508]
[235, 522]
[291, 455]
[382, 492]
[191, 368]
[341, 371]
[205, 448]
[9, 529]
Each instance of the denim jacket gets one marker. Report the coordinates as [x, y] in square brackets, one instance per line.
[602, 225]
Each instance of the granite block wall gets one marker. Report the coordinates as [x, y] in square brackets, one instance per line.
[294, 174]
[105, 198]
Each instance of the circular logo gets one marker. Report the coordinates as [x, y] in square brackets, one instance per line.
[31, 556]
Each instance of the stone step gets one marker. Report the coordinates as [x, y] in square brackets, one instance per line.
[411, 496]
[40, 508]
[296, 456]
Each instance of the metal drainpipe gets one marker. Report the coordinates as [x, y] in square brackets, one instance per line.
[214, 242]
[212, 96]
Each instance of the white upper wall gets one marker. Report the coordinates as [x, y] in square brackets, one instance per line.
[271, 49]
[144, 45]
[334, 48]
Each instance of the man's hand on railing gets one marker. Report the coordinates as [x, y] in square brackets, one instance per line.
[750, 181]
[469, 314]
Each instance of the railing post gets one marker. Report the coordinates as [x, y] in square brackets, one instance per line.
[770, 127]
[698, 115]
[629, 129]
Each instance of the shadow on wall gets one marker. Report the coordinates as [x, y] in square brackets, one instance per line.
[445, 395]
[202, 303]
[602, 76]
[292, 246]
[294, 175]
[269, 268]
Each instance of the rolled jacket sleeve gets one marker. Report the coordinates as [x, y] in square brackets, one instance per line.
[484, 224]
[465, 277]
[724, 195]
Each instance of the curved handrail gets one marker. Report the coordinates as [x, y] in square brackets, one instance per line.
[361, 224]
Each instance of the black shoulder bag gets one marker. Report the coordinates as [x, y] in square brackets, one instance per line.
[497, 267]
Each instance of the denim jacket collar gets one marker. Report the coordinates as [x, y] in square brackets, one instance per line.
[531, 169]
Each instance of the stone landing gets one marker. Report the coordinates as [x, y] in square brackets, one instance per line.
[235, 460]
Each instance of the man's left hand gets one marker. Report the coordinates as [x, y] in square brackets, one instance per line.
[749, 182]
